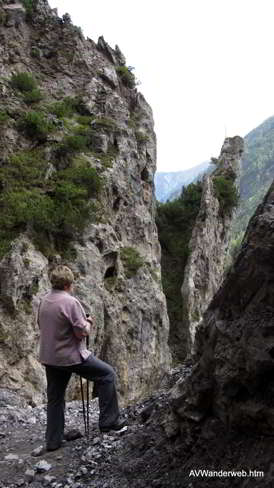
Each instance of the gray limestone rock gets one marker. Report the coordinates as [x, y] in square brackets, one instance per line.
[11, 457]
[108, 51]
[29, 475]
[131, 324]
[15, 14]
[109, 75]
[38, 451]
[48, 480]
[42, 466]
[209, 243]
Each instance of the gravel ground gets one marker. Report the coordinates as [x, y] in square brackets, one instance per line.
[150, 453]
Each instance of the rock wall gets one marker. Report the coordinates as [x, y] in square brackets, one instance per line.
[131, 324]
[233, 374]
[209, 244]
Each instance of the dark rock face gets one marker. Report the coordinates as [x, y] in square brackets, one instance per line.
[234, 374]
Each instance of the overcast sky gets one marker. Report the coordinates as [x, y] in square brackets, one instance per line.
[206, 67]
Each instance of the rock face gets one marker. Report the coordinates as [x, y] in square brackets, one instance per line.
[209, 243]
[233, 375]
[131, 324]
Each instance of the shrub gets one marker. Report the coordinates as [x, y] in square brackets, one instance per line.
[53, 210]
[71, 145]
[34, 96]
[3, 117]
[27, 168]
[27, 207]
[23, 82]
[105, 123]
[35, 125]
[126, 75]
[84, 177]
[226, 193]
[68, 107]
[29, 6]
[85, 119]
[6, 238]
[131, 260]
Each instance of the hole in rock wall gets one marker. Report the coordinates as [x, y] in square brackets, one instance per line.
[110, 260]
[110, 272]
[116, 203]
[116, 197]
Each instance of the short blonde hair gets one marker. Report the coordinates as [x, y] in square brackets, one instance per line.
[61, 277]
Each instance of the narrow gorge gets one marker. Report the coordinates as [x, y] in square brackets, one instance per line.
[189, 334]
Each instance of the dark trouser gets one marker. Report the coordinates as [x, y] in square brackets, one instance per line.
[92, 369]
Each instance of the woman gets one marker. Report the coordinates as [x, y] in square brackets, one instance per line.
[63, 329]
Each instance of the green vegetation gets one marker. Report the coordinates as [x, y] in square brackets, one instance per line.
[34, 96]
[83, 138]
[175, 221]
[28, 167]
[226, 193]
[126, 76]
[52, 200]
[35, 125]
[53, 210]
[105, 123]
[85, 119]
[23, 82]
[3, 117]
[257, 173]
[26, 84]
[29, 6]
[71, 144]
[131, 260]
[67, 107]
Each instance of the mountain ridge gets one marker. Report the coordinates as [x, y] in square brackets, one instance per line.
[168, 185]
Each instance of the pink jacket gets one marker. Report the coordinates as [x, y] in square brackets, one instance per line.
[61, 320]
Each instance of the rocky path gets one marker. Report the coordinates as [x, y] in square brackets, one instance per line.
[150, 453]
[103, 461]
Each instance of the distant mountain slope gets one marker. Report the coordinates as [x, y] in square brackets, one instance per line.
[257, 172]
[169, 185]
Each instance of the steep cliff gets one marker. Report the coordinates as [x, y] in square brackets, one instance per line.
[194, 232]
[233, 375]
[210, 238]
[78, 157]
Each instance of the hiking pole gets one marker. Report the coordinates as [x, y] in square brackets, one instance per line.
[83, 405]
[87, 431]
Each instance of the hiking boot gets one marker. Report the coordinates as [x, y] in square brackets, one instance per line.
[72, 435]
[119, 425]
